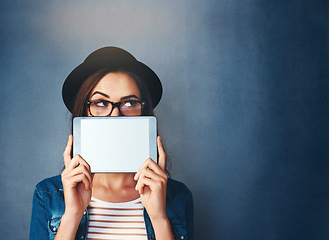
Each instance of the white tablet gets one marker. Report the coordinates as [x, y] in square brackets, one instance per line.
[115, 144]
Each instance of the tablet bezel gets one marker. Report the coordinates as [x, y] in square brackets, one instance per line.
[123, 168]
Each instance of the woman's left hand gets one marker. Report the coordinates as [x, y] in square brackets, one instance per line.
[152, 184]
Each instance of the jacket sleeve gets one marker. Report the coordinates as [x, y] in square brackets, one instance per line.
[189, 214]
[39, 221]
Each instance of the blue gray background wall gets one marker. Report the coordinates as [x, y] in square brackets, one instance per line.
[244, 113]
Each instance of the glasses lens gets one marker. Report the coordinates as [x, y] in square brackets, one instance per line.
[100, 108]
[131, 108]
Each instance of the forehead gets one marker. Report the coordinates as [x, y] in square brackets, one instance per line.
[117, 85]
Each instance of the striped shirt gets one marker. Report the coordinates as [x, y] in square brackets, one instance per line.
[116, 220]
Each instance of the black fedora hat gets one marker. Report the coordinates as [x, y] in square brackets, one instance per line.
[110, 57]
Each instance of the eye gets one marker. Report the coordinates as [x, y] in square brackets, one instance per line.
[101, 103]
[131, 103]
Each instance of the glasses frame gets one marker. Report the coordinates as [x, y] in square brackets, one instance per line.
[114, 105]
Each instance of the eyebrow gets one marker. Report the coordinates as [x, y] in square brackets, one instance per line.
[123, 98]
[105, 95]
[129, 96]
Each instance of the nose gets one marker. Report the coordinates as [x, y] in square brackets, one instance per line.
[115, 112]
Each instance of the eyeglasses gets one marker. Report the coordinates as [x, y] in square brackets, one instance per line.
[103, 108]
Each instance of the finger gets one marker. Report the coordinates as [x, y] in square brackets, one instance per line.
[148, 173]
[83, 162]
[149, 164]
[73, 163]
[139, 186]
[67, 151]
[81, 169]
[81, 178]
[76, 161]
[151, 180]
[146, 182]
[162, 154]
[144, 165]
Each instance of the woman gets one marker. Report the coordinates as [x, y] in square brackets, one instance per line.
[82, 205]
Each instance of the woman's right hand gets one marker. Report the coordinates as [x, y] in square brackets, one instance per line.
[77, 182]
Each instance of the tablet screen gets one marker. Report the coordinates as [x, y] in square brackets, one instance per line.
[115, 144]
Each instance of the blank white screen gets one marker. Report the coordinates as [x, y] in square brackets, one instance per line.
[118, 145]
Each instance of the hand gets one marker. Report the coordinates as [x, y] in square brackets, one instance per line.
[77, 182]
[152, 184]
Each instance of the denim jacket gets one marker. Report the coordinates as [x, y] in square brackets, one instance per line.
[48, 208]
